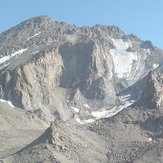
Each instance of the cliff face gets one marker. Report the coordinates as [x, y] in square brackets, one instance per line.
[152, 96]
[55, 66]
[54, 78]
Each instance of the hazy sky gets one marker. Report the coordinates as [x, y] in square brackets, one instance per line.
[141, 17]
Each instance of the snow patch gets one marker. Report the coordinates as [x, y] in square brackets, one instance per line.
[103, 114]
[120, 44]
[128, 65]
[123, 62]
[86, 105]
[4, 65]
[34, 36]
[111, 112]
[8, 102]
[15, 54]
[1, 100]
[148, 51]
[75, 109]
[125, 98]
[155, 66]
[4, 59]
[84, 121]
[35, 52]
[18, 52]
[150, 139]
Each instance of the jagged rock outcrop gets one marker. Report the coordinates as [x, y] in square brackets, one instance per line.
[152, 95]
[59, 135]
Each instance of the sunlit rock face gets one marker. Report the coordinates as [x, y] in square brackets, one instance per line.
[54, 66]
[152, 95]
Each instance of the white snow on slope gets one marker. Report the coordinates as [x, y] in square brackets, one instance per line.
[111, 112]
[15, 54]
[84, 121]
[107, 113]
[104, 113]
[122, 59]
[147, 51]
[75, 109]
[129, 65]
[86, 105]
[120, 44]
[33, 36]
[150, 139]
[4, 65]
[8, 102]
[155, 66]
[123, 62]
[35, 52]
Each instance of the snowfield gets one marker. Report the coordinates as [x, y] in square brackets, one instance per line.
[8, 102]
[120, 44]
[75, 109]
[84, 121]
[34, 36]
[7, 58]
[105, 113]
[110, 112]
[122, 59]
[129, 65]
[123, 62]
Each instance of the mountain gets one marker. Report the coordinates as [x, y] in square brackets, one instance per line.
[101, 87]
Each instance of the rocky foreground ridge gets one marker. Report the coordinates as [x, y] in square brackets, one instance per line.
[102, 88]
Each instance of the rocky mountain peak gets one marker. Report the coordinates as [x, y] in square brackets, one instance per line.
[48, 64]
[112, 31]
[147, 45]
[100, 90]
[39, 20]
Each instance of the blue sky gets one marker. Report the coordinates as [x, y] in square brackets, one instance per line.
[141, 17]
